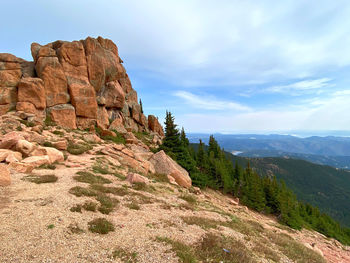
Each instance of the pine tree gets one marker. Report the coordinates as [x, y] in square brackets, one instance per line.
[141, 106]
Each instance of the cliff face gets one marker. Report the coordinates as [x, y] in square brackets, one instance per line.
[75, 84]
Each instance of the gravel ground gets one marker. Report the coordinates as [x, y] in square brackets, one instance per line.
[27, 209]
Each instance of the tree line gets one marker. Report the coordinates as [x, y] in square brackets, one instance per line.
[209, 166]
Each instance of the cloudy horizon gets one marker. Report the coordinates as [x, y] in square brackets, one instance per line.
[227, 66]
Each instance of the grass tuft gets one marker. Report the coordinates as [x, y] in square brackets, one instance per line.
[76, 208]
[90, 206]
[125, 256]
[101, 226]
[107, 203]
[77, 149]
[81, 191]
[41, 179]
[184, 252]
[87, 177]
[133, 205]
[189, 198]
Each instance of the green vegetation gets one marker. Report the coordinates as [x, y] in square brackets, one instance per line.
[47, 166]
[211, 167]
[322, 186]
[57, 132]
[51, 226]
[101, 226]
[107, 203]
[189, 198]
[118, 139]
[133, 205]
[90, 206]
[48, 121]
[76, 208]
[78, 149]
[294, 250]
[27, 123]
[183, 251]
[75, 229]
[87, 177]
[41, 179]
[48, 144]
[125, 256]
[212, 248]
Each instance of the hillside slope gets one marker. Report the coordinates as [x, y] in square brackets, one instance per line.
[323, 186]
[46, 220]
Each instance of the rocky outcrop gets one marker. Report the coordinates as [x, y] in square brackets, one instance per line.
[75, 85]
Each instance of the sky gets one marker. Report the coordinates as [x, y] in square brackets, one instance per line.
[219, 66]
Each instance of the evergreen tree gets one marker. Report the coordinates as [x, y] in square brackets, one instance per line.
[141, 106]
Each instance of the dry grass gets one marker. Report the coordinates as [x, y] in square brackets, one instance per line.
[297, 252]
[41, 179]
[189, 198]
[217, 248]
[124, 255]
[181, 250]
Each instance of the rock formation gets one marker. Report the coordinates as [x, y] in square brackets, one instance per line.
[75, 84]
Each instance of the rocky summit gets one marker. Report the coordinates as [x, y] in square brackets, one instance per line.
[83, 177]
[76, 84]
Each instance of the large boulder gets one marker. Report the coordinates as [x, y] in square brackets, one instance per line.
[163, 164]
[136, 178]
[5, 178]
[53, 154]
[63, 115]
[10, 140]
[10, 70]
[154, 125]
[32, 90]
[24, 147]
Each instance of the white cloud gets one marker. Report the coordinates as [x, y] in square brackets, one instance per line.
[300, 87]
[209, 102]
[327, 113]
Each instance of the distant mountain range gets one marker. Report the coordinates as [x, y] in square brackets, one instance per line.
[329, 150]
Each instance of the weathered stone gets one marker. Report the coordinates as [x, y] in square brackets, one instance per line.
[53, 154]
[85, 123]
[72, 58]
[32, 90]
[63, 115]
[136, 178]
[102, 118]
[8, 95]
[60, 145]
[154, 125]
[10, 140]
[21, 167]
[113, 94]
[84, 100]
[27, 107]
[9, 156]
[163, 164]
[5, 178]
[125, 83]
[4, 108]
[103, 63]
[108, 133]
[36, 161]
[10, 78]
[24, 147]
[51, 72]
